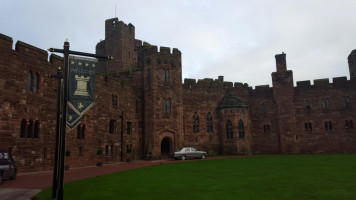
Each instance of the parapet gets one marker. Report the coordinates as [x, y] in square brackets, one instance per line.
[303, 83]
[5, 42]
[165, 50]
[189, 81]
[228, 84]
[152, 49]
[321, 82]
[340, 81]
[32, 51]
[56, 60]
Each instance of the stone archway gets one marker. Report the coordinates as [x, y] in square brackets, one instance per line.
[166, 147]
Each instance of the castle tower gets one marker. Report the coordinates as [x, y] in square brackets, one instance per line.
[234, 126]
[163, 100]
[352, 64]
[283, 93]
[120, 43]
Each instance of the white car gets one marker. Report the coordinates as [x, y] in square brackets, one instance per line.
[189, 152]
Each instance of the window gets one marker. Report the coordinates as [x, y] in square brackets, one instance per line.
[263, 107]
[308, 126]
[149, 76]
[328, 125]
[349, 124]
[346, 102]
[23, 128]
[166, 75]
[37, 129]
[112, 126]
[266, 128]
[45, 153]
[209, 123]
[307, 105]
[241, 129]
[112, 149]
[166, 108]
[129, 128]
[128, 148]
[229, 130]
[80, 131]
[325, 103]
[32, 81]
[29, 129]
[114, 101]
[29, 81]
[195, 123]
[35, 78]
[106, 149]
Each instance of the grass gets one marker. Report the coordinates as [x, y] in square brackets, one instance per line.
[276, 177]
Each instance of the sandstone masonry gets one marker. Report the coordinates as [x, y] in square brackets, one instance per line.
[144, 110]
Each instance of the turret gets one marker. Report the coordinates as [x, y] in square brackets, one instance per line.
[352, 64]
[120, 43]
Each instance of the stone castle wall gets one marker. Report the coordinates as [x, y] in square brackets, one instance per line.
[131, 91]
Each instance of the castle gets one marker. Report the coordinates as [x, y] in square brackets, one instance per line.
[144, 110]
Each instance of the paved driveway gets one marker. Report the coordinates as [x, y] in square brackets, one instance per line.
[28, 185]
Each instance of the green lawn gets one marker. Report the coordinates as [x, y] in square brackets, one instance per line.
[274, 177]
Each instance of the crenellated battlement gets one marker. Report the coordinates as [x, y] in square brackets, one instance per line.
[5, 42]
[114, 25]
[22, 48]
[210, 83]
[153, 50]
[29, 50]
[324, 83]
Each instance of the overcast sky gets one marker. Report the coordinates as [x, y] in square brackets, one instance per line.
[234, 38]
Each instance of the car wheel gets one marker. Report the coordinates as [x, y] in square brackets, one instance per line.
[182, 157]
[202, 156]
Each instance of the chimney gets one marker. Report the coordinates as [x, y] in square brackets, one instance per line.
[281, 62]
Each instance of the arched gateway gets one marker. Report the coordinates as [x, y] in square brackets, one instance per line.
[166, 146]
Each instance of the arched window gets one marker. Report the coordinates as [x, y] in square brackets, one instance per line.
[79, 130]
[166, 75]
[35, 82]
[345, 102]
[327, 103]
[307, 104]
[266, 128]
[29, 80]
[114, 101]
[241, 129]
[263, 107]
[30, 129]
[195, 123]
[209, 123]
[229, 130]
[166, 105]
[37, 129]
[83, 131]
[323, 103]
[349, 124]
[23, 128]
